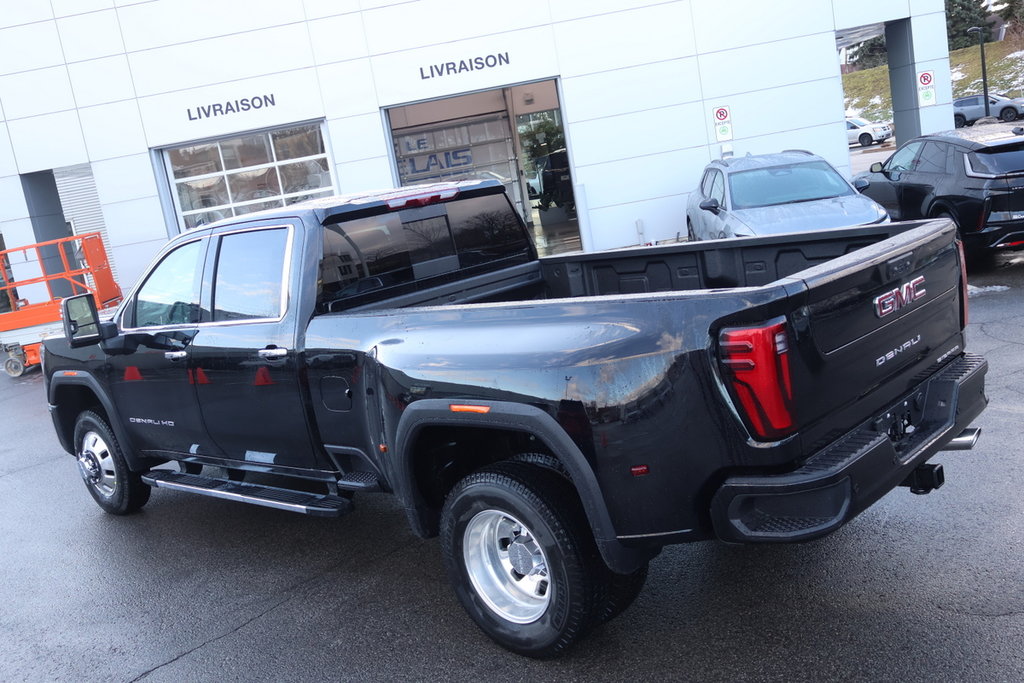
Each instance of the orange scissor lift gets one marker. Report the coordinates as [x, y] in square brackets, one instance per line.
[23, 323]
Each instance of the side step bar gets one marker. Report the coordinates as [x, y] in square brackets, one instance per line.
[314, 504]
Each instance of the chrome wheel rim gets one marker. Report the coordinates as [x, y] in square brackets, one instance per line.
[507, 566]
[96, 465]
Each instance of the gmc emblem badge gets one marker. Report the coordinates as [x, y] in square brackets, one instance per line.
[904, 295]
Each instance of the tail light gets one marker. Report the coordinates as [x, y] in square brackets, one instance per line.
[963, 285]
[986, 209]
[755, 363]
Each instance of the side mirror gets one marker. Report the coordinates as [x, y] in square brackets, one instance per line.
[711, 205]
[876, 167]
[82, 326]
[861, 184]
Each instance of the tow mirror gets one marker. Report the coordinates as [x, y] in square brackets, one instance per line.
[82, 326]
[711, 205]
[876, 167]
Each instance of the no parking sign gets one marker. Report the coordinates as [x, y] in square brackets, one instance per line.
[721, 118]
[925, 88]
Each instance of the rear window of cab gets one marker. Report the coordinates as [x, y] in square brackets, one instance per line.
[373, 258]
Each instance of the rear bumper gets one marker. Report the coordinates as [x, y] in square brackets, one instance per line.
[842, 480]
[996, 236]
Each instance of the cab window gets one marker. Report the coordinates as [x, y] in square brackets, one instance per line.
[903, 159]
[718, 187]
[170, 294]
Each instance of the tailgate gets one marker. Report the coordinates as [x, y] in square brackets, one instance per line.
[863, 331]
[888, 313]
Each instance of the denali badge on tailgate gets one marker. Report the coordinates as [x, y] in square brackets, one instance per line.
[905, 294]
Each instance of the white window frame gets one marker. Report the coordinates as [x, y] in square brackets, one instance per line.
[229, 208]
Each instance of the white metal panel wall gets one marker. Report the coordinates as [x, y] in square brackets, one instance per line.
[106, 81]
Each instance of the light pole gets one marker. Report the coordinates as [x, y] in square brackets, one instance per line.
[984, 71]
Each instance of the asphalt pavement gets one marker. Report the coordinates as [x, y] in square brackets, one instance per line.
[918, 588]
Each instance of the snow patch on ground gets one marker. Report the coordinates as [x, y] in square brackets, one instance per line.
[876, 100]
[973, 291]
[957, 74]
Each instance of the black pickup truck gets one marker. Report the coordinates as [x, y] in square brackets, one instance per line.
[556, 421]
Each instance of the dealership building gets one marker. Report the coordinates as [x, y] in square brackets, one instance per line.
[145, 118]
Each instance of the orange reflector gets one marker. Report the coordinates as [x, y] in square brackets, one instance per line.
[70, 373]
[639, 470]
[463, 408]
[383, 448]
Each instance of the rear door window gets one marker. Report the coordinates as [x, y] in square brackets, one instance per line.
[249, 282]
[932, 158]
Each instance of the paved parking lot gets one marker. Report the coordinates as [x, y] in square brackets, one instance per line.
[917, 588]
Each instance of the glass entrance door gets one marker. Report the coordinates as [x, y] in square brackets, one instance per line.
[478, 148]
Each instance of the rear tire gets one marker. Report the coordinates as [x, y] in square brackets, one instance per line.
[113, 486]
[521, 558]
[865, 140]
[1008, 114]
[959, 121]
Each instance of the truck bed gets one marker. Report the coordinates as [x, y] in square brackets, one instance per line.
[717, 264]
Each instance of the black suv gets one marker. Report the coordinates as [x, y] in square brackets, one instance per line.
[975, 177]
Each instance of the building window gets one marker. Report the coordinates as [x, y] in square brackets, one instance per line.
[246, 173]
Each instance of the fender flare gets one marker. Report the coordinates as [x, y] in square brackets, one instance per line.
[83, 378]
[523, 418]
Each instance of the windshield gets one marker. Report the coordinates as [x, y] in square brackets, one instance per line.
[860, 122]
[1002, 160]
[802, 182]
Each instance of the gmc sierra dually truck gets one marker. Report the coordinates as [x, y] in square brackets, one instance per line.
[556, 421]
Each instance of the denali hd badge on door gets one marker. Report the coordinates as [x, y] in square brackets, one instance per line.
[895, 299]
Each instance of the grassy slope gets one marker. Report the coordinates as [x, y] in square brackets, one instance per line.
[867, 92]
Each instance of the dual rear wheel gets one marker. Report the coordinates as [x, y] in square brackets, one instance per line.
[523, 562]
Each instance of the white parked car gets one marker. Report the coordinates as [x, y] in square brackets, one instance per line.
[865, 132]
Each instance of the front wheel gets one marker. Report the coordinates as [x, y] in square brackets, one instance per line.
[14, 367]
[521, 558]
[101, 463]
[865, 140]
[1008, 114]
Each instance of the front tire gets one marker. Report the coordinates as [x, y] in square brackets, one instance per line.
[113, 486]
[1008, 114]
[14, 367]
[521, 557]
[865, 140]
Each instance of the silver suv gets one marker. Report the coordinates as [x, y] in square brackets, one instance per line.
[769, 194]
[967, 110]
